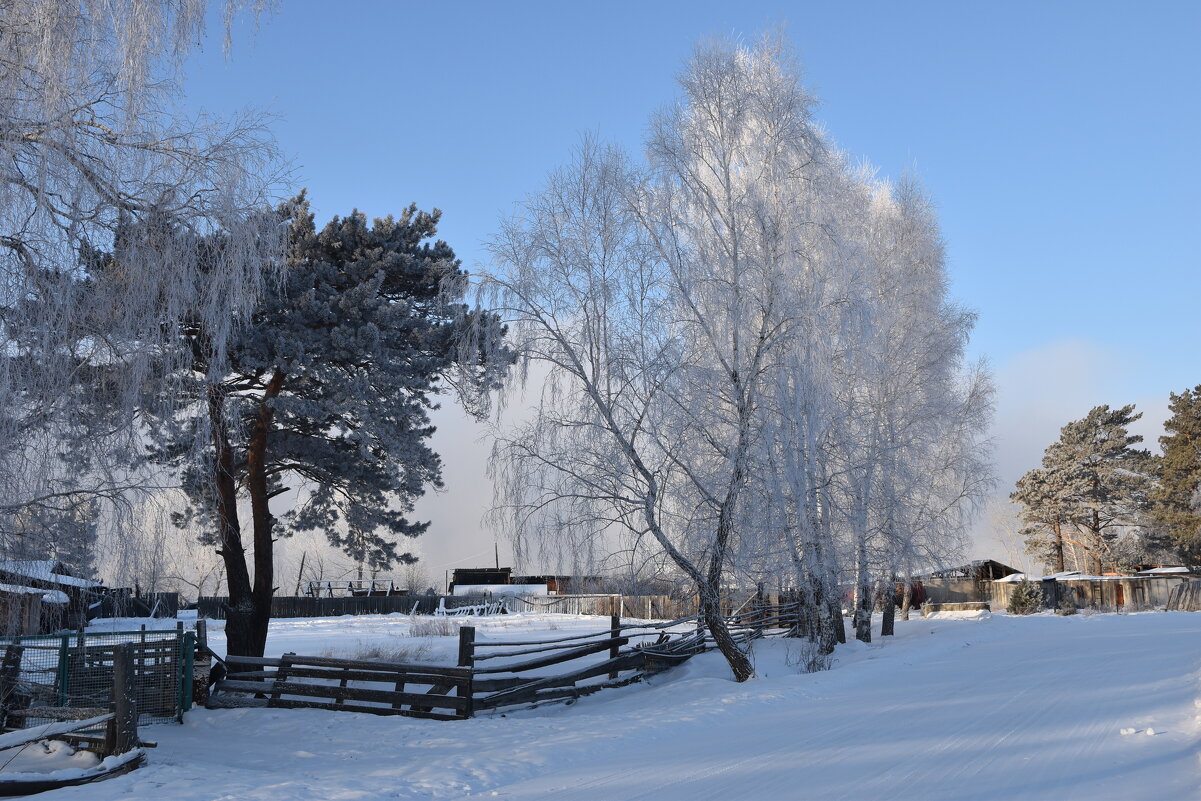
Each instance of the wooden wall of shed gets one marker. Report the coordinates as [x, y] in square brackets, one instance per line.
[957, 591]
[1136, 592]
[1186, 597]
[20, 613]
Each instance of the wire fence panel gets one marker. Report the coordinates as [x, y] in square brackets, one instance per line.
[51, 674]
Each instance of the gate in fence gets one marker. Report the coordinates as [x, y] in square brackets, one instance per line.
[43, 676]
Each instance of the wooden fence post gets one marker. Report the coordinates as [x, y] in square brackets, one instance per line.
[10, 676]
[614, 632]
[467, 646]
[122, 733]
[467, 660]
[187, 689]
[760, 609]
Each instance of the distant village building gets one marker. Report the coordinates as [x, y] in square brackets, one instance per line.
[967, 583]
[64, 599]
[1143, 590]
[486, 580]
[464, 576]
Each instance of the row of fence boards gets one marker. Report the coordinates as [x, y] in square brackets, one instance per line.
[490, 674]
[379, 688]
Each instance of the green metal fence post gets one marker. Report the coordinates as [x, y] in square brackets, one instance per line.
[64, 672]
[188, 657]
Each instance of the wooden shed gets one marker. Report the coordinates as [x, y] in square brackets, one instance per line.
[20, 610]
[480, 575]
[47, 574]
[963, 583]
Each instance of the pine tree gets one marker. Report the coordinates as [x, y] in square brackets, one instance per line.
[1092, 486]
[327, 396]
[1174, 505]
[1026, 598]
[65, 535]
[1044, 515]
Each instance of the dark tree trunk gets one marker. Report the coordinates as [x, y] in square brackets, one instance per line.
[715, 621]
[1059, 566]
[837, 621]
[890, 607]
[249, 613]
[863, 613]
[711, 590]
[824, 620]
[238, 630]
[264, 523]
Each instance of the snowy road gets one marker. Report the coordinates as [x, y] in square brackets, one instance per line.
[1003, 708]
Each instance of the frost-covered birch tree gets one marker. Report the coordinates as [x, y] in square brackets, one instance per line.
[658, 298]
[94, 156]
[912, 454]
[752, 360]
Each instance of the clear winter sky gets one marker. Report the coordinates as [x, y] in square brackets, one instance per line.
[1060, 141]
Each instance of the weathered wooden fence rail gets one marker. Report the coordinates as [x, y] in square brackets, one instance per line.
[314, 682]
[490, 674]
[631, 651]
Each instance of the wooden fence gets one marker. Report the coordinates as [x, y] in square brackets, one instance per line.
[490, 675]
[1109, 593]
[111, 731]
[351, 685]
[283, 606]
[1185, 597]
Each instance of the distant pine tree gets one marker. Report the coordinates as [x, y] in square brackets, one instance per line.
[1174, 500]
[1044, 514]
[65, 535]
[1093, 485]
[1026, 598]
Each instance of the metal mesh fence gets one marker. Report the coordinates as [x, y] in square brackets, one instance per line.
[59, 672]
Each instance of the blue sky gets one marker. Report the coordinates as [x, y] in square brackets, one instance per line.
[1059, 141]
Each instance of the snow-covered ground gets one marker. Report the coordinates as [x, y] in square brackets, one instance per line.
[989, 708]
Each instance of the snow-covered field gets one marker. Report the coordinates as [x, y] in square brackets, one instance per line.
[990, 708]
